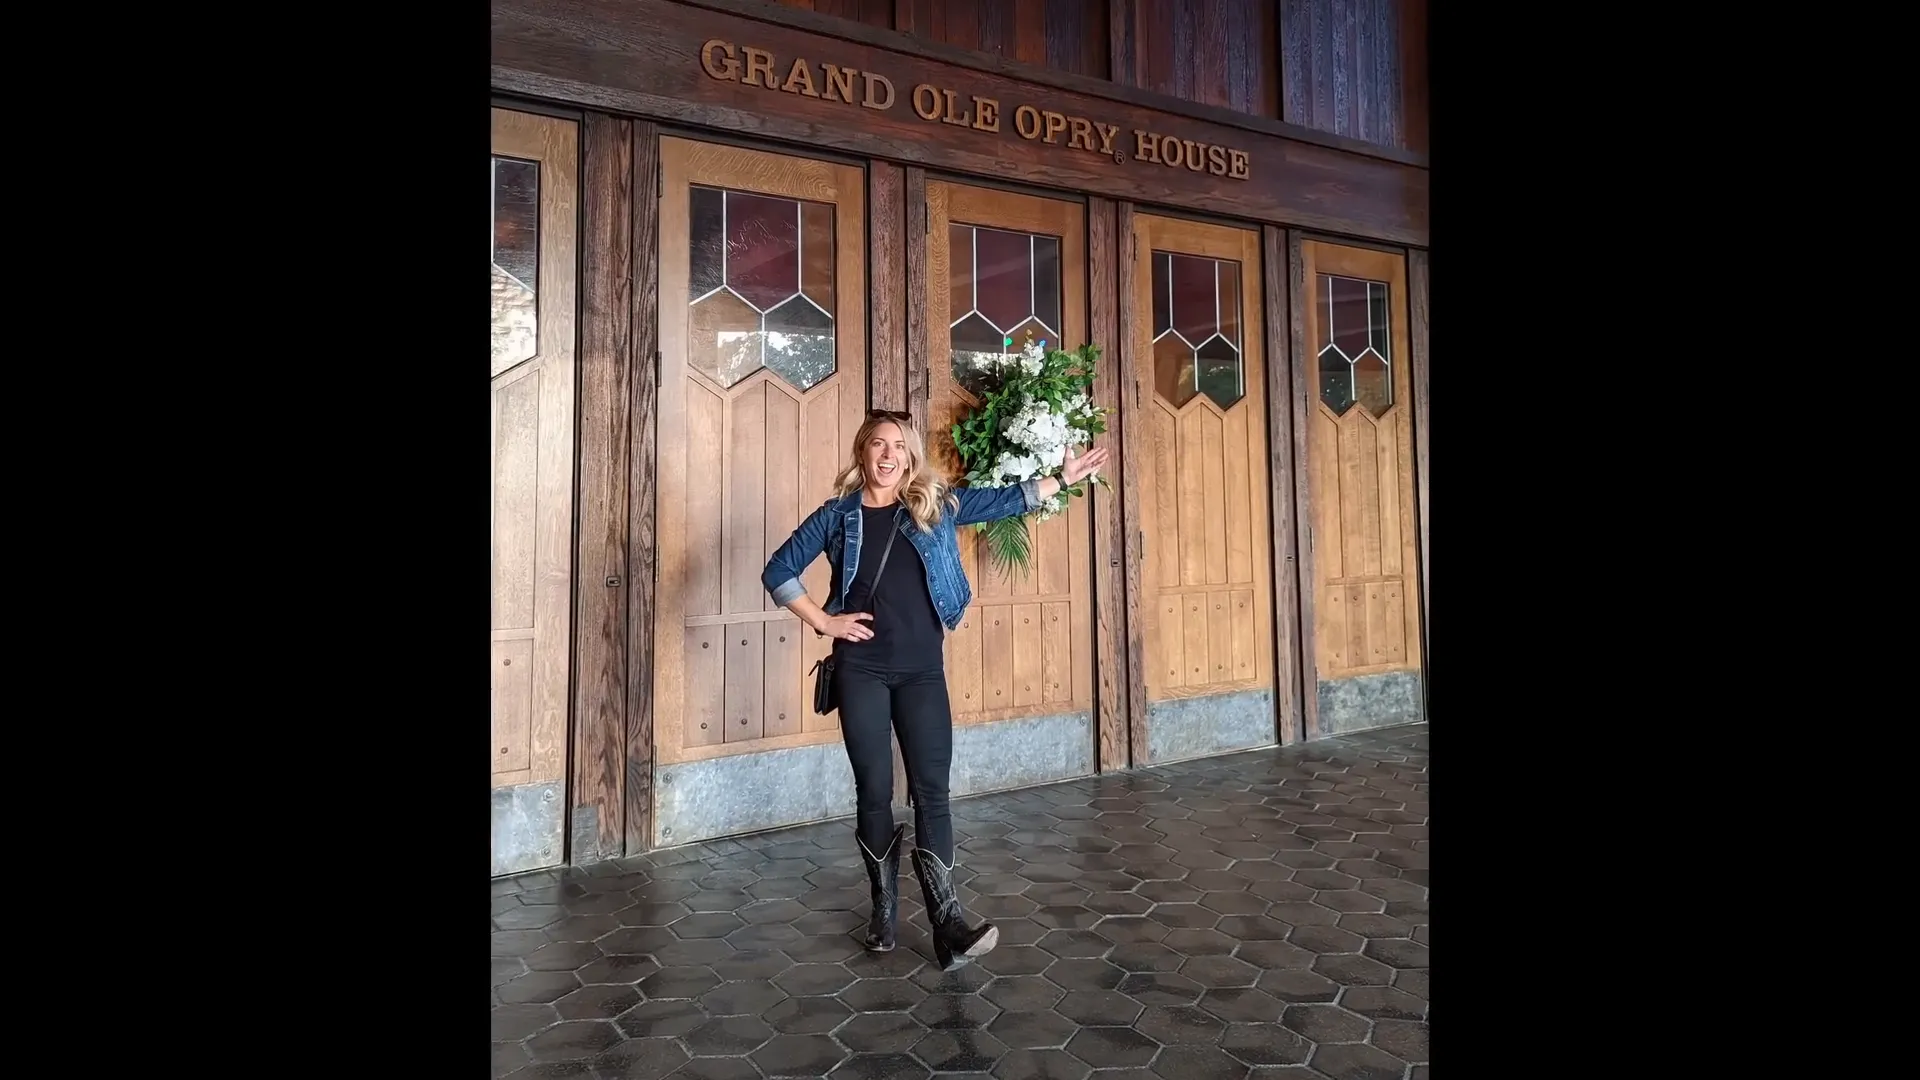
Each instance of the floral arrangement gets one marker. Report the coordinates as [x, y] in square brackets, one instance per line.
[1034, 404]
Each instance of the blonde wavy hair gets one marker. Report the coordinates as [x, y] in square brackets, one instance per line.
[923, 490]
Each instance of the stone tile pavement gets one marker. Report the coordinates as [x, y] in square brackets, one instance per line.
[1262, 914]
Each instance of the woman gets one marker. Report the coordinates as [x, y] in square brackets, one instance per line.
[889, 614]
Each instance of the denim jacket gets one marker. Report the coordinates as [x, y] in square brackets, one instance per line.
[834, 530]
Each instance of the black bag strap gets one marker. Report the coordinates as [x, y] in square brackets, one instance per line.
[888, 550]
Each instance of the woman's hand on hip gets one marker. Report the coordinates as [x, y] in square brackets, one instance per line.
[848, 627]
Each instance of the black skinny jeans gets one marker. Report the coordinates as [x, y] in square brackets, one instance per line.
[913, 703]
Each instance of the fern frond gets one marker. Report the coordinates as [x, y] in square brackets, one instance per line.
[1009, 545]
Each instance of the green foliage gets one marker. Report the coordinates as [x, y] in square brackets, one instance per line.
[1063, 381]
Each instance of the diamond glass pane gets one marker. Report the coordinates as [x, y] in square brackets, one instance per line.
[1219, 371]
[1162, 303]
[1195, 295]
[516, 260]
[1336, 380]
[763, 248]
[1377, 318]
[978, 347]
[1173, 369]
[799, 343]
[1046, 284]
[960, 273]
[1347, 315]
[816, 254]
[1372, 382]
[724, 338]
[1003, 276]
[706, 261]
[1229, 277]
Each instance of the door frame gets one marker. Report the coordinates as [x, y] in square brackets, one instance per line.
[1303, 395]
[558, 251]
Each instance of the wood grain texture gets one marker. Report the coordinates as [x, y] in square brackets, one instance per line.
[1287, 690]
[1109, 526]
[600, 559]
[642, 587]
[1412, 72]
[1222, 53]
[909, 43]
[915, 211]
[1356, 69]
[1063, 35]
[1417, 299]
[1301, 393]
[1123, 64]
[870, 12]
[887, 313]
[1126, 367]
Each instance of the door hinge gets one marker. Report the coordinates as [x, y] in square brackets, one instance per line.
[926, 219]
[656, 371]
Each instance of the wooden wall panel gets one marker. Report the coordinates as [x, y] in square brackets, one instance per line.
[1062, 35]
[642, 587]
[871, 12]
[600, 608]
[1128, 360]
[887, 312]
[1287, 686]
[916, 210]
[1213, 52]
[1356, 68]
[1109, 547]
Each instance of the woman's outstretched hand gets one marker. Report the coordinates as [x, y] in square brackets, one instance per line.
[1079, 468]
[848, 627]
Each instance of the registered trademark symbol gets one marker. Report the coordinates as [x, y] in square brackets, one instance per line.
[1119, 157]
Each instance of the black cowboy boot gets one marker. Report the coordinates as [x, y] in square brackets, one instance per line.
[954, 942]
[884, 873]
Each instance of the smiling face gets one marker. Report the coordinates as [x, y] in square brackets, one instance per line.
[885, 457]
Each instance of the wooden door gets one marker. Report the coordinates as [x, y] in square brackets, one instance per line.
[1364, 617]
[535, 181]
[763, 382]
[1001, 265]
[1201, 439]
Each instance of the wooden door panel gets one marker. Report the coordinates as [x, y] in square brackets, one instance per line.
[1204, 515]
[1001, 265]
[1362, 559]
[535, 185]
[762, 384]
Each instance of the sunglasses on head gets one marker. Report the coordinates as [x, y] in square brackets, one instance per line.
[889, 414]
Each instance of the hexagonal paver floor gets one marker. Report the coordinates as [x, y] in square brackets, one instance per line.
[1260, 914]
